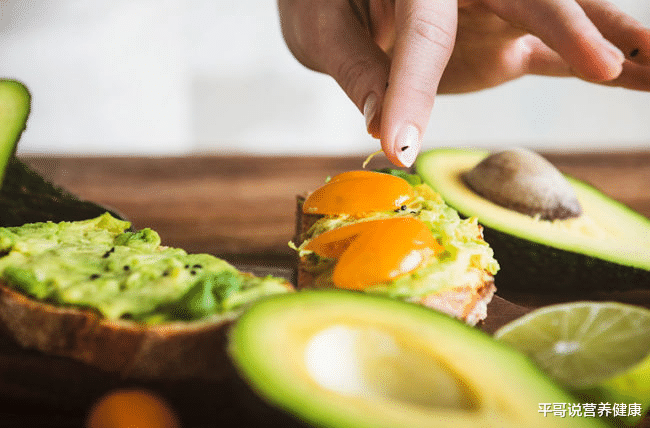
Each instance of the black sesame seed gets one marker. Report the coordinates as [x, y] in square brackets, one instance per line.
[94, 276]
[108, 253]
[197, 266]
[193, 272]
[187, 266]
[166, 273]
[403, 207]
[127, 267]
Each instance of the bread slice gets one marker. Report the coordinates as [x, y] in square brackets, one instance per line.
[132, 350]
[467, 300]
[160, 348]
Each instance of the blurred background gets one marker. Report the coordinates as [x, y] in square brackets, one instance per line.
[174, 77]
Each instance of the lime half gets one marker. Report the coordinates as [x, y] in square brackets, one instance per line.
[599, 350]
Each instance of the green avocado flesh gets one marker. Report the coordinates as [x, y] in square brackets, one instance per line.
[100, 264]
[606, 248]
[338, 358]
[14, 110]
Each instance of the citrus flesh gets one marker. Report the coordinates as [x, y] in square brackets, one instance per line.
[600, 350]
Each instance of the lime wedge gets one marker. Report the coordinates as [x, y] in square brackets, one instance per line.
[599, 350]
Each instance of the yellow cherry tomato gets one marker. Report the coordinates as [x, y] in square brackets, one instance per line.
[132, 408]
[376, 251]
[332, 243]
[359, 192]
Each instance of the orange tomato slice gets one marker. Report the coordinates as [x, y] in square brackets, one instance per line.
[332, 243]
[376, 251]
[358, 192]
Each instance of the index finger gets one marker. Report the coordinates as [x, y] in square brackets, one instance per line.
[425, 35]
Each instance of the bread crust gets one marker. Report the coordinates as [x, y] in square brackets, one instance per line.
[467, 302]
[131, 350]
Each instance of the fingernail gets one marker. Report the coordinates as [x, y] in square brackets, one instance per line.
[617, 57]
[615, 52]
[407, 145]
[370, 109]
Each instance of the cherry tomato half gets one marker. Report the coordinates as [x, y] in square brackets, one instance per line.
[358, 192]
[376, 251]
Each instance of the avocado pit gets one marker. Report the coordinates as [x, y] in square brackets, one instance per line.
[523, 181]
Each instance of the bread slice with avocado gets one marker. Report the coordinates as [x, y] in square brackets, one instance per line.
[453, 273]
[116, 299]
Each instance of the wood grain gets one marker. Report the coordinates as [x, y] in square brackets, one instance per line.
[242, 205]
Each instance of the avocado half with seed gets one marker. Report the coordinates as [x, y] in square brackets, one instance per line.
[604, 247]
[338, 358]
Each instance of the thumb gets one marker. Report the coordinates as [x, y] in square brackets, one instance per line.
[329, 36]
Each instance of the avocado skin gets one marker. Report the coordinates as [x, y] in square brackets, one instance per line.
[526, 266]
[26, 197]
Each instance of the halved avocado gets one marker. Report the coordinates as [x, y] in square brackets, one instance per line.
[606, 248]
[343, 359]
[14, 110]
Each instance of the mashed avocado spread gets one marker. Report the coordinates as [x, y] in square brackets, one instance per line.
[461, 238]
[101, 264]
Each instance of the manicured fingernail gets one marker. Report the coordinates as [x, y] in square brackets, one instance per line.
[617, 57]
[407, 145]
[616, 53]
[611, 64]
[370, 109]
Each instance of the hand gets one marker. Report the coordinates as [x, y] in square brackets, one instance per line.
[391, 57]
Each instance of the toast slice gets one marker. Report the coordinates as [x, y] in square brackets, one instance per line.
[466, 298]
[153, 348]
[132, 350]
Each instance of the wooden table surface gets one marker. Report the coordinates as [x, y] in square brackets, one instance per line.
[242, 208]
[236, 205]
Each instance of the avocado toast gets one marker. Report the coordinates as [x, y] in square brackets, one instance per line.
[116, 299]
[453, 274]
